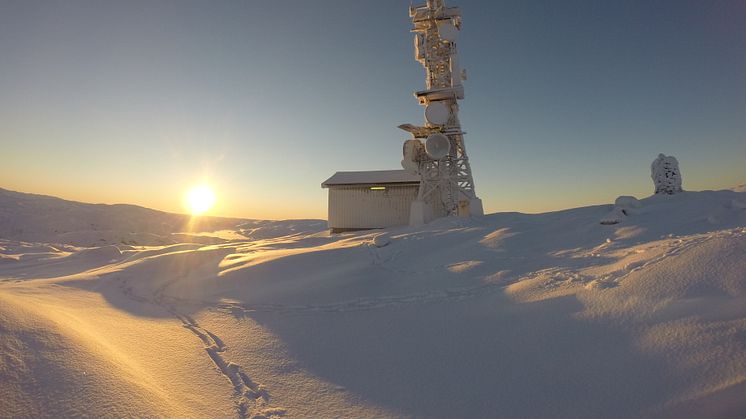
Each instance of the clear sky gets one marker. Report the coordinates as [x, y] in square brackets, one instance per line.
[567, 102]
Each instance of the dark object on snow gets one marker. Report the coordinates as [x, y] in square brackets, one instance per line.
[666, 175]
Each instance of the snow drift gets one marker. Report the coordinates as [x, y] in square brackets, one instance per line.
[508, 315]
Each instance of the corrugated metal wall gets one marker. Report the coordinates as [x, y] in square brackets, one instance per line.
[361, 207]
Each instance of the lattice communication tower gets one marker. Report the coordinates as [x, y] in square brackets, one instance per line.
[436, 150]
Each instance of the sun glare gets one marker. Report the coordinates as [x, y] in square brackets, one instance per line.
[200, 199]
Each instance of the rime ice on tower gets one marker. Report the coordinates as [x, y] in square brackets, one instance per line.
[436, 180]
[436, 151]
[666, 175]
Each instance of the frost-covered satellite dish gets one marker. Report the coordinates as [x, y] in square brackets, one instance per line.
[437, 113]
[437, 146]
[412, 151]
[410, 166]
[447, 31]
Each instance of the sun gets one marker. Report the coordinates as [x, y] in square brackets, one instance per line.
[200, 199]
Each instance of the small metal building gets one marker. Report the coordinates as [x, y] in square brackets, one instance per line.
[372, 199]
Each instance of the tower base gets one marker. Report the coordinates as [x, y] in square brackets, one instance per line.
[475, 207]
[418, 213]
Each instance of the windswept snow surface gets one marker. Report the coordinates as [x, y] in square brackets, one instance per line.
[508, 315]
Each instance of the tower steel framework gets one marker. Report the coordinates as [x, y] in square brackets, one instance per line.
[444, 166]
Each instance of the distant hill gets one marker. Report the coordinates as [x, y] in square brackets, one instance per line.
[41, 218]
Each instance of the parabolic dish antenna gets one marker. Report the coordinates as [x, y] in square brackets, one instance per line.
[437, 146]
[437, 113]
[412, 151]
[410, 166]
[447, 31]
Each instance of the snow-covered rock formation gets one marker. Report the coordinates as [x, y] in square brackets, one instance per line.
[623, 207]
[666, 175]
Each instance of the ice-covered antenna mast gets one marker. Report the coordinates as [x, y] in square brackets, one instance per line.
[447, 184]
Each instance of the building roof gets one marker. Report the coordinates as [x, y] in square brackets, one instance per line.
[372, 177]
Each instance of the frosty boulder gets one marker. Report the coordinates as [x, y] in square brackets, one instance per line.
[666, 175]
[624, 206]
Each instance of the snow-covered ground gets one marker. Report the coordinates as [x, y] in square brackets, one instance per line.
[125, 311]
